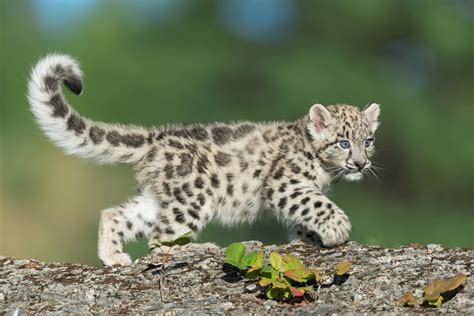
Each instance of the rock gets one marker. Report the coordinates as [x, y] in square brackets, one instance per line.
[251, 288]
[194, 282]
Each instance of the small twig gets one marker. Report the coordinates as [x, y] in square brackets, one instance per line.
[162, 279]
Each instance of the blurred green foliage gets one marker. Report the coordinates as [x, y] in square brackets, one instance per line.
[413, 57]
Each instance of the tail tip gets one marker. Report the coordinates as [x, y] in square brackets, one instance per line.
[54, 67]
[74, 84]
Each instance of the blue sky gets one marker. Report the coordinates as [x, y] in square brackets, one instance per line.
[257, 20]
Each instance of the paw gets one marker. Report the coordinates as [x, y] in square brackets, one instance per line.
[297, 236]
[334, 232]
[121, 259]
[297, 242]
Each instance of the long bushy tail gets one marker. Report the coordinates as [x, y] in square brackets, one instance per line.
[100, 142]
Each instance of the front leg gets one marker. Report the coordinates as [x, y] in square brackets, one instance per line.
[312, 216]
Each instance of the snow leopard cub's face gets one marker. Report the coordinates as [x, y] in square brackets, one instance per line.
[344, 137]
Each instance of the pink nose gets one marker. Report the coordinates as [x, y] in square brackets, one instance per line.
[360, 164]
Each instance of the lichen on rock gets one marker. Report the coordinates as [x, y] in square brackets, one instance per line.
[195, 282]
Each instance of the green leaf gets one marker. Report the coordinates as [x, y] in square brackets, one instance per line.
[296, 275]
[252, 274]
[303, 275]
[275, 260]
[307, 289]
[290, 262]
[269, 272]
[235, 252]
[286, 294]
[180, 241]
[436, 302]
[258, 264]
[267, 269]
[273, 292]
[265, 282]
[249, 258]
[237, 264]
[279, 284]
[286, 281]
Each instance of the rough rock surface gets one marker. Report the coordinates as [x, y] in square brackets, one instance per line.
[197, 284]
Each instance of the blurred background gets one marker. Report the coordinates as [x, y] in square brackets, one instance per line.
[155, 62]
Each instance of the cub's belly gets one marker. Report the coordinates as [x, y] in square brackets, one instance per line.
[241, 205]
[246, 211]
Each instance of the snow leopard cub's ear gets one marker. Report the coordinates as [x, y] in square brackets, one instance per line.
[372, 112]
[320, 118]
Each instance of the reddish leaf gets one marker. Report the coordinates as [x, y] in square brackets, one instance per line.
[296, 292]
[296, 275]
[408, 300]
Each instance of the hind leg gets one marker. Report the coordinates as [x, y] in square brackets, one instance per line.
[178, 218]
[129, 221]
[173, 222]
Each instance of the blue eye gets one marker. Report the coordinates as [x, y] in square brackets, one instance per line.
[368, 142]
[344, 144]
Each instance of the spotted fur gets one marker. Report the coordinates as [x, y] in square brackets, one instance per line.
[231, 173]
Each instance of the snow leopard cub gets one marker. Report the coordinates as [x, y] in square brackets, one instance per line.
[230, 173]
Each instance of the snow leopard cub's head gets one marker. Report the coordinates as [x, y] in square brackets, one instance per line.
[343, 136]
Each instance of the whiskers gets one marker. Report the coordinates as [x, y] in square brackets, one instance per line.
[336, 173]
[372, 172]
[375, 170]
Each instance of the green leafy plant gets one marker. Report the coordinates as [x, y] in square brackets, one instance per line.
[285, 278]
[435, 292]
[180, 241]
[251, 262]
